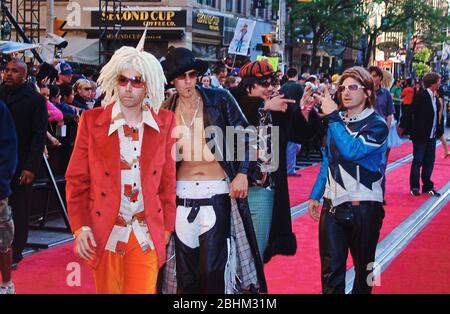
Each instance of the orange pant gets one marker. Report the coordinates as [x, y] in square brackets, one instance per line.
[132, 273]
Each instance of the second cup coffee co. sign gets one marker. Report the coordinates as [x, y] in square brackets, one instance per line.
[141, 18]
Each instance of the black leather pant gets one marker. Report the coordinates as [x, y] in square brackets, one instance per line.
[354, 227]
[201, 269]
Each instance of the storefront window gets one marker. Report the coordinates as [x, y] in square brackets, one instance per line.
[229, 27]
[205, 51]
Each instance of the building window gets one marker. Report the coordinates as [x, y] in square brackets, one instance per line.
[229, 5]
[211, 3]
[252, 10]
[239, 6]
[261, 13]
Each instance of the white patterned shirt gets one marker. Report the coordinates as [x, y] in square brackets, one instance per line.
[131, 201]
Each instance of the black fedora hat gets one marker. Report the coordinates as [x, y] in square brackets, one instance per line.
[181, 60]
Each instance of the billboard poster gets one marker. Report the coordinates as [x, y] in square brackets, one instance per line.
[242, 36]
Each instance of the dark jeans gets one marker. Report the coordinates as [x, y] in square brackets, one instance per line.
[201, 269]
[20, 202]
[292, 150]
[350, 227]
[424, 156]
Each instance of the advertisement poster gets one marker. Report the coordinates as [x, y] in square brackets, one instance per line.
[242, 36]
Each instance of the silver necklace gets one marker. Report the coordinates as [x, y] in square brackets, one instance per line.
[193, 118]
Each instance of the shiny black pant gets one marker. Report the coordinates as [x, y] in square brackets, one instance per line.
[350, 227]
[201, 269]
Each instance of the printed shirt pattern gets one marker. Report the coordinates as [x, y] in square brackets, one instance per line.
[264, 147]
[131, 201]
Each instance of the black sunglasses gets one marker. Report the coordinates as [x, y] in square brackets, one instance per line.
[192, 75]
[266, 84]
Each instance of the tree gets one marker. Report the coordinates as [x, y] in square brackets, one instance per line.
[421, 69]
[326, 22]
[415, 17]
[421, 58]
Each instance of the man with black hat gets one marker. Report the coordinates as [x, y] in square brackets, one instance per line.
[214, 238]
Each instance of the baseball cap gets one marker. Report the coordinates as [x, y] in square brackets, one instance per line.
[64, 68]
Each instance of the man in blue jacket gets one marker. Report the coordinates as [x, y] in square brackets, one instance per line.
[8, 163]
[350, 181]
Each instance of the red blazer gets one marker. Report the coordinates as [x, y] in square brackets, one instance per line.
[93, 178]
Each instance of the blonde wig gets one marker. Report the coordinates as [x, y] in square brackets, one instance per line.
[145, 63]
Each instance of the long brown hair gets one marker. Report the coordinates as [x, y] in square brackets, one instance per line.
[365, 79]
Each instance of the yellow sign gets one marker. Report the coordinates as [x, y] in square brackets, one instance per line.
[141, 18]
[211, 21]
[273, 61]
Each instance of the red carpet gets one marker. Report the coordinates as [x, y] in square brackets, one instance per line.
[424, 266]
[45, 272]
[401, 151]
[301, 273]
[300, 187]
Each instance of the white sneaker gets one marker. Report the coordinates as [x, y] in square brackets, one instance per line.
[8, 289]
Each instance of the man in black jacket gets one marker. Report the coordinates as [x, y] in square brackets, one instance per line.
[292, 90]
[29, 113]
[296, 123]
[215, 245]
[425, 109]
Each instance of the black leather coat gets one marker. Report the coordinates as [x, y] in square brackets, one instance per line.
[292, 127]
[220, 109]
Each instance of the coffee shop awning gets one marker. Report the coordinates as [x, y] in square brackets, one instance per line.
[81, 50]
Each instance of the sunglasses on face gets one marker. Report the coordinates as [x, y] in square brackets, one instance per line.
[136, 81]
[87, 88]
[192, 75]
[350, 88]
[266, 84]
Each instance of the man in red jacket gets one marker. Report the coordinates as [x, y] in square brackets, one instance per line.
[121, 177]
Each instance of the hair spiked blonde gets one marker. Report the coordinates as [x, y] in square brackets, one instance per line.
[145, 63]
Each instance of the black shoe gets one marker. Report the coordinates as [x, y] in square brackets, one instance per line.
[415, 192]
[432, 193]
